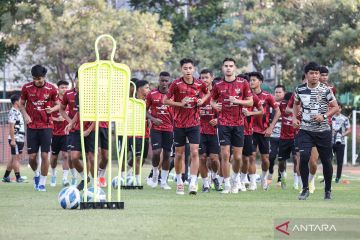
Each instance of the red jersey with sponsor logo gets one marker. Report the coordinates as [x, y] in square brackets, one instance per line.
[262, 122]
[187, 116]
[155, 103]
[287, 128]
[59, 126]
[231, 114]
[207, 113]
[248, 121]
[70, 100]
[37, 100]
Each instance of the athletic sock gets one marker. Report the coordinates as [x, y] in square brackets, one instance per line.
[213, 175]
[221, 180]
[42, 180]
[101, 172]
[7, 174]
[122, 175]
[296, 179]
[242, 177]
[311, 177]
[65, 174]
[205, 182]
[37, 173]
[283, 174]
[252, 178]
[73, 172]
[179, 179]
[227, 182]
[164, 176]
[155, 172]
[17, 175]
[53, 172]
[137, 179]
[270, 175]
[263, 174]
[193, 179]
[236, 177]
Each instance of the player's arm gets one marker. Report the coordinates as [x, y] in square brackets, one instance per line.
[332, 109]
[168, 101]
[296, 111]
[12, 133]
[155, 120]
[273, 122]
[202, 100]
[89, 129]
[347, 127]
[260, 111]
[63, 113]
[55, 108]
[27, 118]
[247, 102]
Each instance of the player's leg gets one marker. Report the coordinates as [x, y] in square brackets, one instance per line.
[213, 151]
[55, 150]
[16, 161]
[313, 167]
[65, 167]
[237, 141]
[274, 146]
[225, 143]
[305, 145]
[71, 167]
[203, 168]
[45, 143]
[104, 146]
[285, 149]
[156, 143]
[339, 151]
[247, 152]
[167, 142]
[9, 165]
[140, 162]
[296, 160]
[179, 141]
[75, 156]
[264, 152]
[252, 163]
[33, 145]
[193, 135]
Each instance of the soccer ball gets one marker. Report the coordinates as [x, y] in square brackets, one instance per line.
[69, 198]
[100, 195]
[115, 183]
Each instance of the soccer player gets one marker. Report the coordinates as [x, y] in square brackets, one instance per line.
[262, 126]
[184, 96]
[324, 78]
[318, 103]
[340, 128]
[229, 96]
[287, 140]
[161, 131]
[71, 101]
[60, 140]
[16, 140]
[37, 99]
[209, 144]
[275, 135]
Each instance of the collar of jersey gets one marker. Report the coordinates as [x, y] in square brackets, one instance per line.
[307, 85]
[182, 79]
[41, 86]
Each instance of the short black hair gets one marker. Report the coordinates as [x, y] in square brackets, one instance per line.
[186, 60]
[303, 77]
[258, 75]
[164, 74]
[134, 80]
[311, 66]
[340, 105]
[140, 83]
[323, 69]
[14, 98]
[244, 76]
[280, 86]
[229, 60]
[206, 71]
[288, 96]
[38, 71]
[62, 82]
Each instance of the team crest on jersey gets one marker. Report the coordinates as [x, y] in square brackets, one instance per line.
[46, 96]
[197, 93]
[237, 90]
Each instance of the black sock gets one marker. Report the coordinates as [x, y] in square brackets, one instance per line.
[7, 174]
[17, 174]
[183, 177]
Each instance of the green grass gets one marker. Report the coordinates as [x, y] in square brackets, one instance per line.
[156, 214]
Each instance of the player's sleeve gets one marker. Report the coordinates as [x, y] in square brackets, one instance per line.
[24, 93]
[291, 101]
[148, 100]
[347, 123]
[215, 93]
[12, 117]
[53, 96]
[329, 95]
[246, 90]
[172, 90]
[296, 95]
[256, 100]
[65, 100]
[272, 102]
[204, 89]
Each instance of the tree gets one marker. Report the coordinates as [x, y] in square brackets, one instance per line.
[61, 35]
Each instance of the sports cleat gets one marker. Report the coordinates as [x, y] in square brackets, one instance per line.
[152, 183]
[296, 186]
[217, 184]
[165, 186]
[73, 181]
[304, 194]
[81, 185]
[311, 187]
[180, 189]
[242, 187]
[283, 183]
[226, 189]
[193, 189]
[65, 183]
[102, 182]
[53, 181]
[21, 180]
[41, 188]
[252, 187]
[327, 195]
[205, 189]
[235, 187]
[264, 185]
[337, 180]
[36, 182]
[6, 180]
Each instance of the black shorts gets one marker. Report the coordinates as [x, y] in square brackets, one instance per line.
[18, 149]
[39, 138]
[286, 147]
[248, 146]
[296, 143]
[103, 138]
[231, 135]
[321, 140]
[120, 141]
[191, 133]
[161, 140]
[138, 146]
[209, 144]
[274, 147]
[59, 143]
[261, 141]
[75, 142]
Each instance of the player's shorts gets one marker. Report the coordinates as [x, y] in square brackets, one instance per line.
[39, 138]
[286, 147]
[161, 140]
[138, 146]
[231, 135]
[191, 133]
[103, 138]
[18, 149]
[59, 143]
[274, 147]
[75, 142]
[261, 141]
[209, 144]
[248, 146]
[296, 143]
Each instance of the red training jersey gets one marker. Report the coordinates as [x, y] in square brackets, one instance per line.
[248, 121]
[37, 100]
[231, 114]
[262, 122]
[207, 113]
[287, 128]
[59, 126]
[155, 103]
[187, 116]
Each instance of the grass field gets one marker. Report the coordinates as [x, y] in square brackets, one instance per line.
[156, 214]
